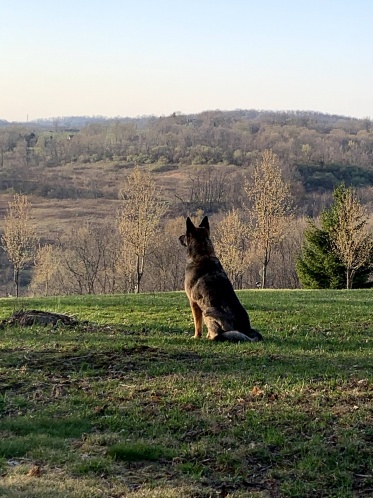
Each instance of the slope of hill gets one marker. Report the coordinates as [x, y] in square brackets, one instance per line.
[87, 158]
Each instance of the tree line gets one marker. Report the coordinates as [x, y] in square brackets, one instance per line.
[261, 245]
[319, 151]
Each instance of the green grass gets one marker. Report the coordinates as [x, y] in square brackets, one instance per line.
[132, 405]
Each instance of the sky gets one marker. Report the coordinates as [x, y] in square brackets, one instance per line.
[155, 57]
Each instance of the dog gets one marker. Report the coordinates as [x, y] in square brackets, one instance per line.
[211, 295]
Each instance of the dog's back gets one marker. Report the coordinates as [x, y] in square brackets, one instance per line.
[210, 292]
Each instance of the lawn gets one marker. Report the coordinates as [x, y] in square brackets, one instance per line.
[129, 404]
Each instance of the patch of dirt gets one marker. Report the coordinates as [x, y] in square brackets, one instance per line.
[28, 318]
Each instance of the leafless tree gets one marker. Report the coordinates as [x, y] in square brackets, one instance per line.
[87, 262]
[271, 207]
[141, 212]
[19, 239]
[46, 265]
[208, 190]
[283, 274]
[167, 259]
[350, 237]
[231, 241]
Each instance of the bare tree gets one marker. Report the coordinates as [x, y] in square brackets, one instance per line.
[167, 259]
[283, 272]
[85, 256]
[87, 261]
[19, 239]
[46, 266]
[208, 190]
[350, 237]
[231, 243]
[271, 207]
[139, 219]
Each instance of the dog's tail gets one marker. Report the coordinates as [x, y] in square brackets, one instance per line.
[235, 336]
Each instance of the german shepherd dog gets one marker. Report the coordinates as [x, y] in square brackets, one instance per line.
[210, 292]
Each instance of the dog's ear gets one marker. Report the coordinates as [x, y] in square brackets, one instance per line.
[205, 223]
[182, 240]
[190, 228]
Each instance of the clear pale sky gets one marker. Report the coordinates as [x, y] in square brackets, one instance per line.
[142, 57]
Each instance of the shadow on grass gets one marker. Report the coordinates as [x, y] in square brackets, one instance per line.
[301, 360]
[109, 362]
[271, 428]
[23, 434]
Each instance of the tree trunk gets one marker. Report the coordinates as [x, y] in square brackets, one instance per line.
[264, 275]
[349, 278]
[16, 281]
[267, 256]
[139, 273]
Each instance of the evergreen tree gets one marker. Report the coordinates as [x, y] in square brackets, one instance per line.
[320, 265]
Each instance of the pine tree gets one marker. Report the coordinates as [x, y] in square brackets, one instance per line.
[321, 264]
[318, 267]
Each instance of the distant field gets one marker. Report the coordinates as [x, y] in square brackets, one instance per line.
[53, 216]
[129, 404]
[58, 216]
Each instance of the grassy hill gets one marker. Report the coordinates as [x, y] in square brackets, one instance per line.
[128, 404]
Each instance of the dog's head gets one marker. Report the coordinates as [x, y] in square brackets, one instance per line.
[197, 239]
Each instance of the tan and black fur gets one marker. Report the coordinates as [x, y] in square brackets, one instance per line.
[210, 292]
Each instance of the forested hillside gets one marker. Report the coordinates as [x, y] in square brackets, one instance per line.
[318, 151]
[76, 166]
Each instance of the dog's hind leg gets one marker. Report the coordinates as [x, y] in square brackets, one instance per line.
[223, 328]
[197, 317]
[214, 321]
[213, 326]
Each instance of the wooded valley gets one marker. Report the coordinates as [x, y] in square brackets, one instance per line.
[72, 170]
